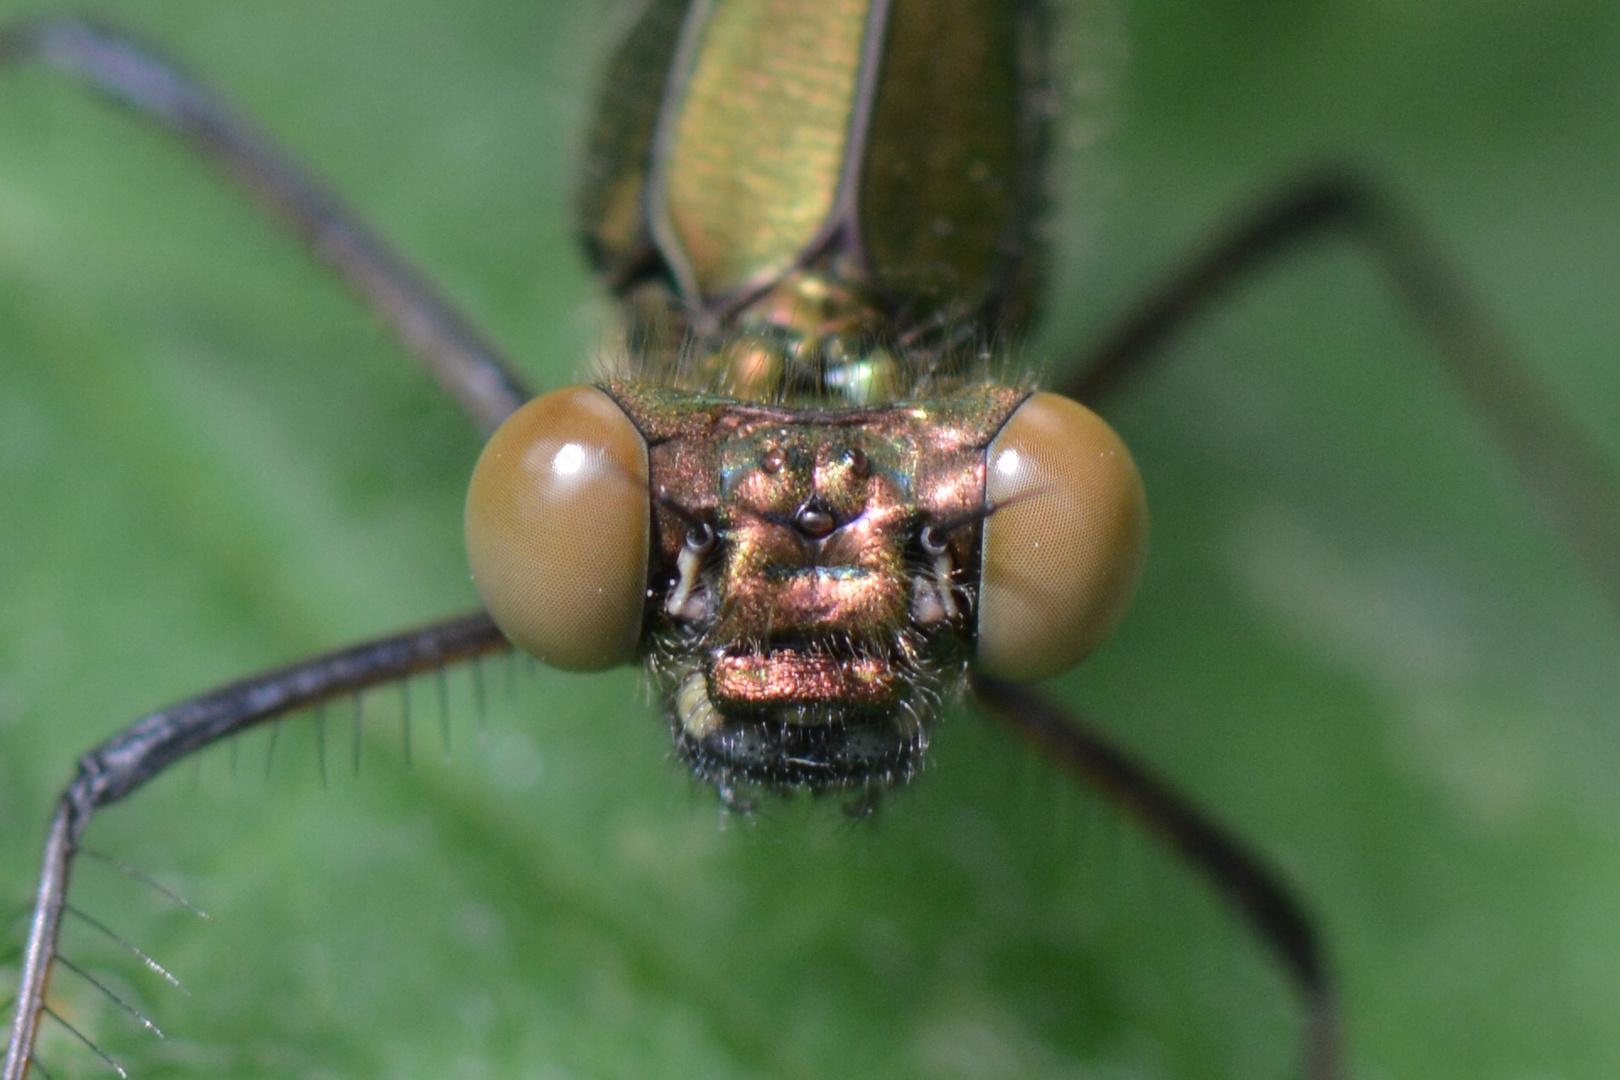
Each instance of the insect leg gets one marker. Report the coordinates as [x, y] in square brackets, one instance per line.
[469, 367]
[1576, 485]
[126, 761]
[1238, 874]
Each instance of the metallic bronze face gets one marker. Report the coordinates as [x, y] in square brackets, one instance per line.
[813, 586]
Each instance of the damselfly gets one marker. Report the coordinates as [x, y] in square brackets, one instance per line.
[971, 1024]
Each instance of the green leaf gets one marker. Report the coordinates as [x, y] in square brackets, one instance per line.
[1358, 643]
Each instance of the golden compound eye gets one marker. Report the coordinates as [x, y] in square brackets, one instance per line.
[557, 529]
[1063, 545]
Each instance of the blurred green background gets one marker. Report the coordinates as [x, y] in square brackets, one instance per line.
[1358, 642]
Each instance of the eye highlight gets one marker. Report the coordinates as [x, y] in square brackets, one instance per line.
[557, 526]
[1064, 542]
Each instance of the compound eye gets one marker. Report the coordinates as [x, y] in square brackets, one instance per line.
[1064, 542]
[557, 526]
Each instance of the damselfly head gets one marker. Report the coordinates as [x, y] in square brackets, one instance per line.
[807, 585]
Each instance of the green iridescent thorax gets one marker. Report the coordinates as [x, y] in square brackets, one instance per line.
[821, 201]
[798, 603]
[755, 138]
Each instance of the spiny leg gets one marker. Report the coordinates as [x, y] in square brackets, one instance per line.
[473, 371]
[467, 366]
[1238, 874]
[1573, 480]
[1575, 483]
[138, 753]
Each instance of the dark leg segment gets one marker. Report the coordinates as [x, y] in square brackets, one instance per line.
[470, 368]
[126, 761]
[1574, 482]
[1237, 873]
